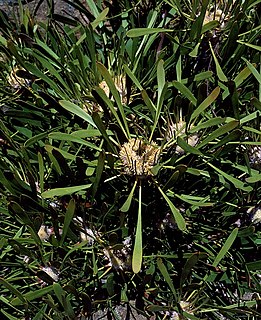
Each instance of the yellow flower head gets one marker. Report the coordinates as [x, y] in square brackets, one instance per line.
[139, 157]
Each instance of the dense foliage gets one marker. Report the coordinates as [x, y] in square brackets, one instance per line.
[130, 160]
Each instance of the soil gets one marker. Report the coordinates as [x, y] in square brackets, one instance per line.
[60, 7]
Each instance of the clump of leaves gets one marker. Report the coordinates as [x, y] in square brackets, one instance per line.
[129, 160]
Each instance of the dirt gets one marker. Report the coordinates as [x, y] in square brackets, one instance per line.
[60, 7]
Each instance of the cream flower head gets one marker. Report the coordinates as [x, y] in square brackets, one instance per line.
[138, 157]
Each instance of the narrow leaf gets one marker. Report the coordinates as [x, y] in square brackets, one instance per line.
[164, 272]
[227, 245]
[206, 103]
[106, 75]
[236, 182]
[220, 73]
[32, 295]
[100, 18]
[219, 132]
[177, 215]
[69, 137]
[67, 219]
[125, 207]
[137, 251]
[185, 91]
[138, 32]
[58, 192]
[78, 111]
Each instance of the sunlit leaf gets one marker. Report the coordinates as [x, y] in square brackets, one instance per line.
[138, 250]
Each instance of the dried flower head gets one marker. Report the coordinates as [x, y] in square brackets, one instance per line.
[255, 214]
[179, 129]
[15, 81]
[52, 272]
[45, 232]
[255, 156]
[120, 84]
[214, 15]
[220, 12]
[138, 157]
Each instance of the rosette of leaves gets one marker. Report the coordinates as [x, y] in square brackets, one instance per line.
[61, 144]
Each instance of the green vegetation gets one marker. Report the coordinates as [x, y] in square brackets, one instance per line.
[130, 160]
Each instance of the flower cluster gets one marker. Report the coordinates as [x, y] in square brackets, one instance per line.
[138, 157]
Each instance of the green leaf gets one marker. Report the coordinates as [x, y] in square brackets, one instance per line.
[162, 87]
[186, 147]
[195, 201]
[207, 124]
[41, 313]
[64, 300]
[254, 266]
[67, 219]
[254, 178]
[239, 79]
[232, 136]
[48, 49]
[149, 103]
[137, 251]
[35, 139]
[7, 315]
[253, 70]
[109, 103]
[185, 91]
[99, 171]
[7, 302]
[253, 46]
[107, 77]
[3, 41]
[209, 26]
[59, 292]
[206, 103]
[125, 207]
[220, 73]
[236, 182]
[105, 133]
[33, 295]
[18, 211]
[58, 192]
[189, 265]
[41, 171]
[163, 270]
[100, 18]
[177, 215]
[138, 32]
[74, 109]
[70, 137]
[93, 8]
[11, 288]
[34, 70]
[218, 132]
[132, 77]
[227, 245]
